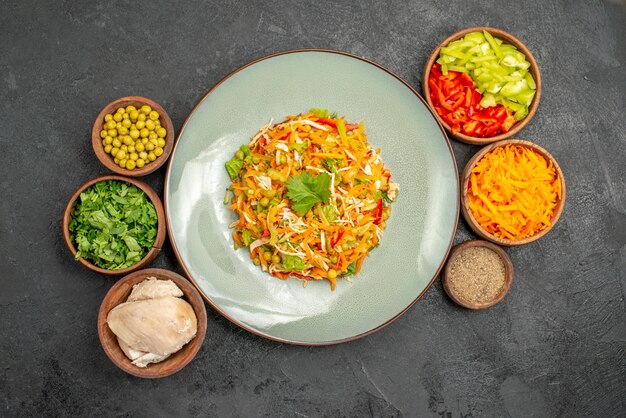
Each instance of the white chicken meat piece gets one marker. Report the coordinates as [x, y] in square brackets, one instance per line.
[153, 288]
[160, 326]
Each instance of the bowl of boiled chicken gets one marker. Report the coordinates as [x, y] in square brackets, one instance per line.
[152, 323]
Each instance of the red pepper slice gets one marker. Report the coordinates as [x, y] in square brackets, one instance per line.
[336, 238]
[282, 138]
[379, 212]
[266, 233]
[327, 121]
[466, 80]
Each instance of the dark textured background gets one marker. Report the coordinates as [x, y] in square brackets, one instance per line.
[554, 347]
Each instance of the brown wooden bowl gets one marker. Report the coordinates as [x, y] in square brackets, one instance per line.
[161, 227]
[508, 271]
[467, 213]
[119, 293]
[107, 159]
[534, 70]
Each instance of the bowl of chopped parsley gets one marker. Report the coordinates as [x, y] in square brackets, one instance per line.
[114, 225]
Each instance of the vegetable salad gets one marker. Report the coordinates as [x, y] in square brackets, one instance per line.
[312, 197]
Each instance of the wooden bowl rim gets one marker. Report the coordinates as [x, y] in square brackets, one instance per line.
[176, 361]
[107, 160]
[534, 69]
[508, 276]
[161, 227]
[467, 213]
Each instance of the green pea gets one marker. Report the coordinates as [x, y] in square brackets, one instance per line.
[108, 140]
[139, 146]
[108, 148]
[145, 109]
[103, 134]
[150, 146]
[122, 163]
[333, 259]
[144, 133]
[134, 133]
[162, 132]
[150, 125]
[153, 115]
[140, 124]
[264, 202]
[133, 115]
[117, 117]
[116, 143]
[126, 122]
[283, 159]
[140, 162]
[275, 259]
[239, 155]
[108, 117]
[151, 156]
[267, 256]
[113, 132]
[133, 155]
[120, 110]
[121, 154]
[131, 148]
[158, 151]
[256, 159]
[332, 274]
[130, 165]
[143, 155]
[111, 124]
[153, 135]
[161, 142]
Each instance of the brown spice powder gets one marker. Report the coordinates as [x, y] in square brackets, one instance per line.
[477, 274]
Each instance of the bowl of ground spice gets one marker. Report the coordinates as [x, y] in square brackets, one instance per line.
[478, 274]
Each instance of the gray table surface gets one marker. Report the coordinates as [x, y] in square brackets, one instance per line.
[554, 347]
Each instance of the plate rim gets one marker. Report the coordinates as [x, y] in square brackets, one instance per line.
[234, 320]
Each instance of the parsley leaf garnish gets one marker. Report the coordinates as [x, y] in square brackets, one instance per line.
[305, 191]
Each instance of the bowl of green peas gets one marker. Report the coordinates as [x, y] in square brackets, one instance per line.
[133, 136]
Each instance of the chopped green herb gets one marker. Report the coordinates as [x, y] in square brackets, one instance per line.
[113, 225]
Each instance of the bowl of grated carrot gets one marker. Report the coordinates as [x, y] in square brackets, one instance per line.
[513, 192]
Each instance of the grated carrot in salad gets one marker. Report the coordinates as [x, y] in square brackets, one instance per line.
[312, 197]
[513, 192]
